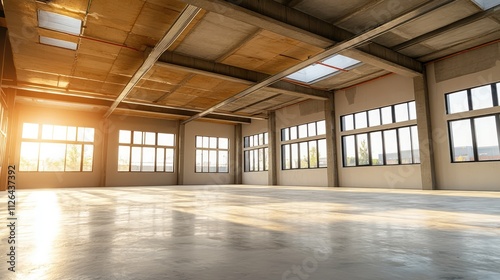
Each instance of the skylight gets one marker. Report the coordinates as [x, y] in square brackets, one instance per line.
[327, 67]
[59, 22]
[487, 4]
[58, 43]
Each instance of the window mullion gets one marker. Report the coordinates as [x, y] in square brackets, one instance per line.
[474, 140]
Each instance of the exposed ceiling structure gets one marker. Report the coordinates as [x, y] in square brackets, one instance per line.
[227, 61]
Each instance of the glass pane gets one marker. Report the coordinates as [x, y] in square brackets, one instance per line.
[391, 147]
[246, 142]
[168, 139]
[149, 138]
[255, 160]
[377, 150]
[266, 138]
[256, 140]
[285, 151]
[261, 139]
[30, 131]
[304, 155]
[89, 134]
[124, 137]
[413, 110]
[136, 159]
[199, 160]
[374, 117]
[405, 149]
[386, 115]
[303, 131]
[60, 132]
[29, 156]
[223, 161]
[138, 137]
[498, 94]
[347, 122]
[482, 97]
[461, 138]
[361, 120]
[52, 157]
[349, 146]
[205, 161]
[295, 155]
[73, 157]
[321, 126]
[212, 167]
[251, 161]
[311, 129]
[487, 138]
[266, 158]
[169, 160]
[250, 141]
[199, 142]
[213, 142]
[416, 144]
[313, 154]
[160, 159]
[206, 141]
[322, 153]
[293, 133]
[123, 158]
[401, 112]
[81, 134]
[223, 143]
[246, 156]
[47, 131]
[457, 102]
[362, 148]
[148, 159]
[261, 159]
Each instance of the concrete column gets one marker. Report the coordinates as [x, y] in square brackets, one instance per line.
[238, 154]
[424, 133]
[181, 130]
[272, 173]
[106, 124]
[12, 132]
[331, 143]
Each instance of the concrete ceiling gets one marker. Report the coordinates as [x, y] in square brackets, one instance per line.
[226, 49]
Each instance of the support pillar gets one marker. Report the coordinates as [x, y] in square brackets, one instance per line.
[181, 130]
[424, 133]
[272, 172]
[238, 154]
[12, 132]
[331, 143]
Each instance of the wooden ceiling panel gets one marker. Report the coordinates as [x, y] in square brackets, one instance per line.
[170, 4]
[127, 62]
[85, 85]
[202, 103]
[117, 14]
[95, 30]
[204, 82]
[38, 78]
[44, 58]
[153, 85]
[139, 42]
[164, 75]
[178, 99]
[143, 94]
[154, 21]
[117, 79]
[98, 49]
[112, 89]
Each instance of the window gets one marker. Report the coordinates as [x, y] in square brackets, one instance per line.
[386, 147]
[256, 152]
[56, 148]
[475, 138]
[330, 66]
[379, 116]
[59, 23]
[212, 154]
[304, 154]
[140, 151]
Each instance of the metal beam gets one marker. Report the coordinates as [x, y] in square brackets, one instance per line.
[448, 28]
[280, 19]
[230, 73]
[184, 19]
[350, 43]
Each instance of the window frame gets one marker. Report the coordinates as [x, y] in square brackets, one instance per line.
[217, 151]
[250, 147]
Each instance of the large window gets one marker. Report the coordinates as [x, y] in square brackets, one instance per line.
[379, 116]
[56, 148]
[140, 151]
[304, 154]
[477, 137]
[256, 152]
[212, 154]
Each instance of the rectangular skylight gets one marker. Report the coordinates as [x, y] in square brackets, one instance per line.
[59, 22]
[316, 72]
[487, 4]
[58, 43]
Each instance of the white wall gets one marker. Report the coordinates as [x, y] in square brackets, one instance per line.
[42, 115]
[461, 176]
[254, 178]
[390, 90]
[302, 113]
[115, 178]
[200, 128]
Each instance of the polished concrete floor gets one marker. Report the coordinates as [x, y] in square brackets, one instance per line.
[253, 233]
